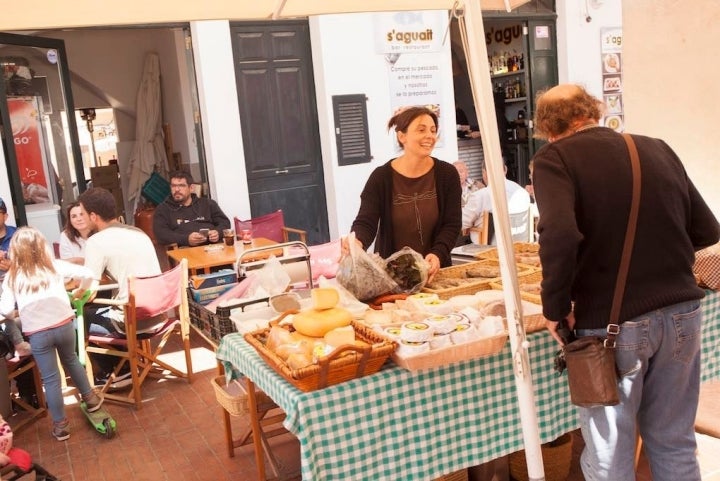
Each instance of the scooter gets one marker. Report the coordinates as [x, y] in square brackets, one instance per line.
[100, 419]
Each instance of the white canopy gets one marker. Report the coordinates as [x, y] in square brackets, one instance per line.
[44, 14]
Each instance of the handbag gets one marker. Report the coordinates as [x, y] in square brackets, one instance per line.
[590, 361]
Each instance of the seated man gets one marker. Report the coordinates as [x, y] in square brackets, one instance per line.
[481, 201]
[120, 251]
[468, 185]
[179, 219]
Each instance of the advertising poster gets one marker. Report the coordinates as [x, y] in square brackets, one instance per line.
[611, 57]
[410, 43]
[29, 148]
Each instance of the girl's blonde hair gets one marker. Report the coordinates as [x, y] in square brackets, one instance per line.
[32, 267]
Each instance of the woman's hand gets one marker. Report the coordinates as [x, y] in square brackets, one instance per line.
[345, 246]
[434, 263]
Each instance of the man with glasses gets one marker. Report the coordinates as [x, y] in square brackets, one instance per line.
[186, 219]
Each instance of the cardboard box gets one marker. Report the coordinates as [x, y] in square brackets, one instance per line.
[214, 279]
[208, 294]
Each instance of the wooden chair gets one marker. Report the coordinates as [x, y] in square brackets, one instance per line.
[486, 231]
[148, 297]
[519, 227]
[16, 367]
[270, 226]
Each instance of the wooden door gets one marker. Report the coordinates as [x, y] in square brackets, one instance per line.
[278, 115]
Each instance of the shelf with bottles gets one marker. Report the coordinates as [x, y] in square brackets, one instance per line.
[507, 74]
[516, 99]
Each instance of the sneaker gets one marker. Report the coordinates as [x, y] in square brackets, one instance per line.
[61, 430]
[93, 401]
[23, 349]
[120, 381]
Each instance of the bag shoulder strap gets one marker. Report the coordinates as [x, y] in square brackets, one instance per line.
[629, 233]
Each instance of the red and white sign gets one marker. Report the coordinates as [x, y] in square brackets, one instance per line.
[25, 122]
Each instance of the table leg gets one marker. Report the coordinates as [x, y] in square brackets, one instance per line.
[257, 434]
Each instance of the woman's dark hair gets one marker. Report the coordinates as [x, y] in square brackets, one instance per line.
[71, 232]
[402, 120]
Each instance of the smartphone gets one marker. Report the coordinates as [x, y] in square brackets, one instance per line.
[205, 232]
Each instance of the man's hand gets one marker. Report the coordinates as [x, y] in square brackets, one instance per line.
[4, 261]
[213, 236]
[196, 239]
[552, 327]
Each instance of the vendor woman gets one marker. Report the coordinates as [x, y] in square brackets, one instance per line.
[412, 200]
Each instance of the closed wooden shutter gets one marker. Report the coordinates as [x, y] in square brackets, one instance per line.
[351, 129]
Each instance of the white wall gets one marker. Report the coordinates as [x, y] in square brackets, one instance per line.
[671, 82]
[222, 135]
[345, 62]
[579, 58]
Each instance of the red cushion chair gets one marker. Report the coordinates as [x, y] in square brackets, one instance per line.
[270, 226]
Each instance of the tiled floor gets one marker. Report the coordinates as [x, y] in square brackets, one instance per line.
[178, 435]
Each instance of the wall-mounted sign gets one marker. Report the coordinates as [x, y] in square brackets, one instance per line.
[611, 58]
[415, 80]
[409, 32]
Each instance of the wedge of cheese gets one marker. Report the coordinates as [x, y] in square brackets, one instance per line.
[324, 298]
[340, 336]
[317, 323]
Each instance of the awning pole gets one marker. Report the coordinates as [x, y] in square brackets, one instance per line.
[479, 70]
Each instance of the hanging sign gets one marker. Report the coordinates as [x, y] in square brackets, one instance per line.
[611, 57]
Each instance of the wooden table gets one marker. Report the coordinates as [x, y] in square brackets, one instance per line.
[202, 258]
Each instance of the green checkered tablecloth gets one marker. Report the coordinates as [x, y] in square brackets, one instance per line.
[398, 424]
[710, 364]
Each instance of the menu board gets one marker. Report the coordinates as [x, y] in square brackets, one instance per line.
[611, 55]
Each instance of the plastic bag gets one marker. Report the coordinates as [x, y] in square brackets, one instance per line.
[368, 276]
[408, 269]
[363, 274]
[269, 280]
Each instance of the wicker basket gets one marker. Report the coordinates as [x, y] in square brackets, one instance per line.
[233, 397]
[460, 272]
[460, 475]
[518, 247]
[556, 455]
[345, 363]
[457, 352]
[532, 277]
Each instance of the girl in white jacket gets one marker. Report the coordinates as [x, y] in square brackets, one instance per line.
[35, 283]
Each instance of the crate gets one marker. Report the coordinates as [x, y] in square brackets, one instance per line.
[343, 364]
[156, 189]
[213, 325]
